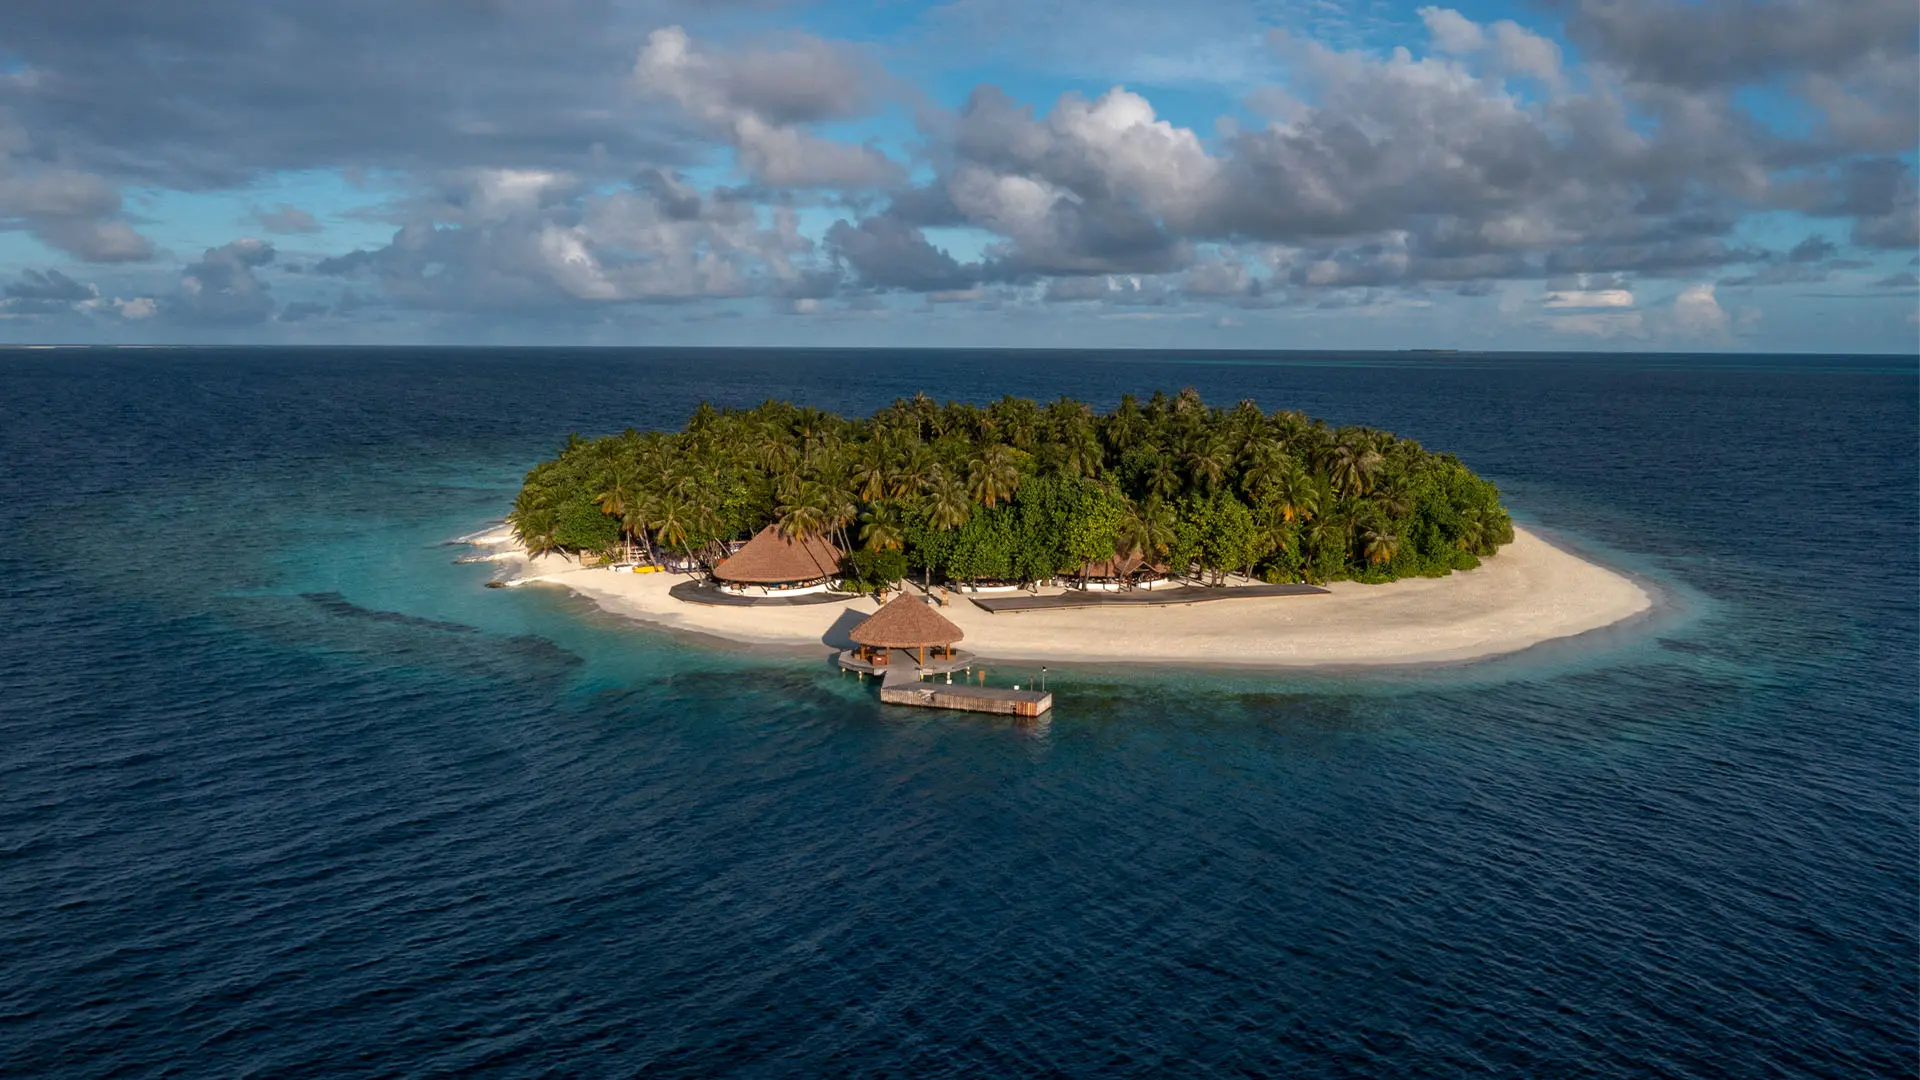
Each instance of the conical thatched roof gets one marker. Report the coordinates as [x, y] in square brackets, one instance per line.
[906, 622]
[771, 559]
[1122, 566]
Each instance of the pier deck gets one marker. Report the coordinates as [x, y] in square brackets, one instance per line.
[903, 686]
[961, 660]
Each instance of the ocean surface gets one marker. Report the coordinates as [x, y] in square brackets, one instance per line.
[284, 792]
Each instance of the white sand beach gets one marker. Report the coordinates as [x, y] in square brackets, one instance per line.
[1530, 592]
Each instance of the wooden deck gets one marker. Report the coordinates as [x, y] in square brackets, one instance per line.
[1185, 594]
[699, 592]
[903, 686]
[961, 660]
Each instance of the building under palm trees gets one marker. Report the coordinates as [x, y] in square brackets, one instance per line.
[1129, 571]
[773, 564]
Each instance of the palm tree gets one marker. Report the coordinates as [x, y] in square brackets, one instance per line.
[947, 504]
[881, 528]
[1016, 419]
[1377, 543]
[1208, 461]
[1473, 530]
[1080, 451]
[1277, 533]
[1392, 500]
[534, 527]
[680, 478]
[1295, 494]
[1269, 465]
[811, 425]
[637, 521]
[706, 523]
[1246, 423]
[841, 509]
[1063, 415]
[870, 473]
[703, 419]
[914, 472]
[1353, 464]
[1321, 533]
[804, 514]
[672, 518]
[1124, 427]
[991, 477]
[1164, 479]
[1146, 528]
[1290, 428]
[925, 412]
[771, 448]
[617, 495]
[943, 419]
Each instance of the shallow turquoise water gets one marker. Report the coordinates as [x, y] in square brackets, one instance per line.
[287, 793]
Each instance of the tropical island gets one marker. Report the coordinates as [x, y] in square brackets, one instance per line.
[1018, 492]
[776, 521]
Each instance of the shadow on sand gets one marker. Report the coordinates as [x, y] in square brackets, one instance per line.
[837, 634]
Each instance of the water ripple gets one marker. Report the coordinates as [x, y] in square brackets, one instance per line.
[307, 801]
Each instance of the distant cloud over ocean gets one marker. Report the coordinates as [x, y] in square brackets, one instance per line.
[1654, 173]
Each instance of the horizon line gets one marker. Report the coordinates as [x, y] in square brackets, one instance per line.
[1436, 351]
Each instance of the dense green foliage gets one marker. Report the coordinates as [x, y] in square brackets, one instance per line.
[1018, 491]
[580, 525]
[868, 569]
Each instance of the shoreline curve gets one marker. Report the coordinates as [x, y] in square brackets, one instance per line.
[1530, 592]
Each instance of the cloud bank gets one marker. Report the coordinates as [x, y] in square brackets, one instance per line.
[565, 159]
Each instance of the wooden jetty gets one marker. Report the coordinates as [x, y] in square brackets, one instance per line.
[906, 641]
[905, 687]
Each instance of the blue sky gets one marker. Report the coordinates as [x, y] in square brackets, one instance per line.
[1573, 174]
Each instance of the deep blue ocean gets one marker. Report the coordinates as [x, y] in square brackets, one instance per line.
[285, 792]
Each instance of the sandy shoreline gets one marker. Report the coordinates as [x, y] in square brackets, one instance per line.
[1529, 593]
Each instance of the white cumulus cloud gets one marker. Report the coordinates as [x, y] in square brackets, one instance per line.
[758, 101]
[1697, 314]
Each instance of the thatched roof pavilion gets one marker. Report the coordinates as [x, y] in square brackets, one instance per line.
[1121, 568]
[771, 559]
[904, 622]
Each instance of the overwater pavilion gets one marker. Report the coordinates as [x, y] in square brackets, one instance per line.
[775, 565]
[910, 624]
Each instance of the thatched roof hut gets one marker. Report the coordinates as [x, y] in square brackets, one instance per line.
[905, 622]
[1122, 568]
[772, 559]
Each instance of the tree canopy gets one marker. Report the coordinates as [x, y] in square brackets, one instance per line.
[1018, 491]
